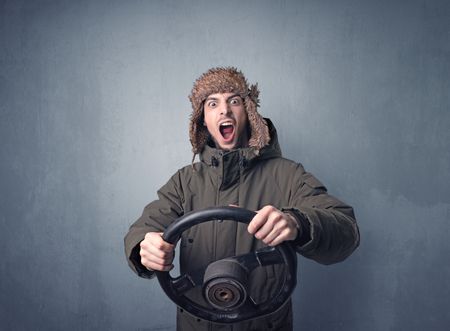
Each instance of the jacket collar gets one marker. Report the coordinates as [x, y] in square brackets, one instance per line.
[230, 164]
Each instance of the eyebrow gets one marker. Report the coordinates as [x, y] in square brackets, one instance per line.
[230, 97]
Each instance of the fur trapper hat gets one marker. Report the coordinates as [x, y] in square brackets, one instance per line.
[225, 80]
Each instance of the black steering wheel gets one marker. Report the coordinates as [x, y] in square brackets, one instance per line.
[225, 283]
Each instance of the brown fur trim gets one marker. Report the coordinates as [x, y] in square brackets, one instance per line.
[259, 136]
[225, 80]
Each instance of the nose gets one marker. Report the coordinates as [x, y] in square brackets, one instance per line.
[224, 108]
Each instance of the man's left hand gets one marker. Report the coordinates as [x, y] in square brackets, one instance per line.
[272, 226]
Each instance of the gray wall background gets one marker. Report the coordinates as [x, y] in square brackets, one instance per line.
[93, 119]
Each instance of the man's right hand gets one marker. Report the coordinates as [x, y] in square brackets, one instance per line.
[156, 254]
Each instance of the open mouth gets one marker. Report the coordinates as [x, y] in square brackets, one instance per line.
[227, 130]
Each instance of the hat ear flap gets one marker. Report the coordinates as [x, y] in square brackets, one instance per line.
[198, 133]
[259, 131]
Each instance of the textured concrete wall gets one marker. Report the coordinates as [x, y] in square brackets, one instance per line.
[93, 119]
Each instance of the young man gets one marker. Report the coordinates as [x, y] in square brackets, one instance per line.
[240, 164]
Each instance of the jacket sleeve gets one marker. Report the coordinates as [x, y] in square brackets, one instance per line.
[328, 223]
[156, 216]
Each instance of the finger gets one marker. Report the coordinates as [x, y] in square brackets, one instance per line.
[156, 254]
[156, 266]
[152, 262]
[155, 239]
[150, 247]
[271, 236]
[157, 260]
[266, 228]
[154, 251]
[148, 259]
[258, 220]
[274, 224]
[264, 231]
[161, 246]
[283, 236]
[283, 225]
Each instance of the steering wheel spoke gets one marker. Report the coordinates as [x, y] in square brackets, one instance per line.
[188, 281]
[182, 284]
[259, 258]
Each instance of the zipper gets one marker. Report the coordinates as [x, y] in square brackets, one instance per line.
[219, 183]
[241, 176]
[242, 165]
[214, 226]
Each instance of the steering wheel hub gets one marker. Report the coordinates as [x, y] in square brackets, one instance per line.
[225, 293]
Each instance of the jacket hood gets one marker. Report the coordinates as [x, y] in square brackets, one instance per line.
[225, 80]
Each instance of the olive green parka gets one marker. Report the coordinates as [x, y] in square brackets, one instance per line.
[250, 179]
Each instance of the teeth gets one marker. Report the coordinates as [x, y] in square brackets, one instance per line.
[226, 123]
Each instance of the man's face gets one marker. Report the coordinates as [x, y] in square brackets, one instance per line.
[226, 120]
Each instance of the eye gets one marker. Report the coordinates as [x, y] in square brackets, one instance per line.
[211, 104]
[235, 101]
